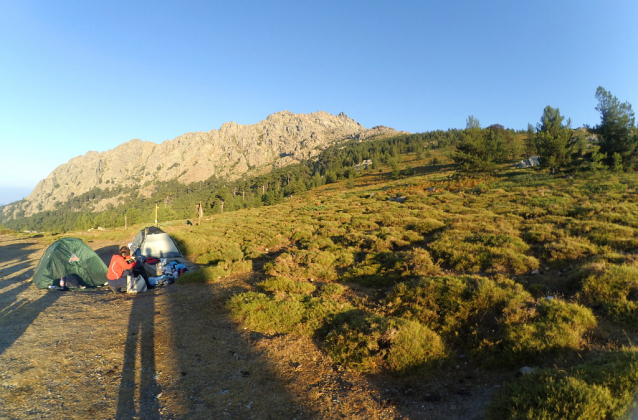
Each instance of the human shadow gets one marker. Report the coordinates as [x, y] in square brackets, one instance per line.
[105, 253]
[220, 372]
[18, 311]
[140, 338]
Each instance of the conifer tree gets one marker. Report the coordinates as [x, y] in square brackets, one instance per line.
[480, 151]
[617, 130]
[552, 139]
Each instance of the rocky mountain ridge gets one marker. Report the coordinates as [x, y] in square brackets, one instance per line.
[281, 139]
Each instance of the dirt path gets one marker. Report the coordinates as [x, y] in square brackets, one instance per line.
[173, 353]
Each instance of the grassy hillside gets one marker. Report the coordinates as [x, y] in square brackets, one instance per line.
[405, 276]
[409, 276]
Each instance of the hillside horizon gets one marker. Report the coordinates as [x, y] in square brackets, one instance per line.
[280, 139]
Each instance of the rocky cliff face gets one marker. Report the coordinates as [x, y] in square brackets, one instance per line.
[281, 139]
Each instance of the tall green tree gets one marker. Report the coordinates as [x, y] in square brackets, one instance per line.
[617, 130]
[553, 139]
[530, 146]
[481, 150]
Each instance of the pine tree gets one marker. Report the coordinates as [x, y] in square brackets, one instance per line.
[481, 150]
[617, 129]
[552, 139]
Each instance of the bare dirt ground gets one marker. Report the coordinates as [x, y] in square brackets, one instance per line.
[174, 353]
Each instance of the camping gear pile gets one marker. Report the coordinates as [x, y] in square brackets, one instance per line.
[167, 272]
[155, 247]
[69, 263]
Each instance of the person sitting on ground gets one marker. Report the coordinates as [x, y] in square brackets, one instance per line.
[120, 268]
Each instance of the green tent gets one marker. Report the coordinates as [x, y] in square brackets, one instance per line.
[73, 259]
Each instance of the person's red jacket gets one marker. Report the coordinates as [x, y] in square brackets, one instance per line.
[117, 266]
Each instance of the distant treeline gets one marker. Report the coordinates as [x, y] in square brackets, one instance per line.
[174, 200]
[475, 150]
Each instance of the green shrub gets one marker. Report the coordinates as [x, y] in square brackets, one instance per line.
[552, 325]
[425, 226]
[605, 233]
[416, 263]
[413, 347]
[301, 235]
[197, 276]
[372, 343]
[483, 251]
[354, 339]
[388, 268]
[597, 390]
[243, 266]
[202, 275]
[613, 289]
[541, 232]
[332, 289]
[538, 290]
[304, 264]
[284, 284]
[265, 314]
[497, 321]
[284, 312]
[570, 249]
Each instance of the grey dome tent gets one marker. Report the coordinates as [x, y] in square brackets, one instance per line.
[154, 242]
[73, 259]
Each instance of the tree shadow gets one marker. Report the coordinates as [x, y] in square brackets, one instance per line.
[18, 314]
[17, 311]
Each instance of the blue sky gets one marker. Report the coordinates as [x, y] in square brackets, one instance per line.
[89, 75]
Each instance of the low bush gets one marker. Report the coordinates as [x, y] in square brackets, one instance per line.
[497, 321]
[332, 290]
[413, 347]
[605, 233]
[425, 226]
[202, 275]
[476, 251]
[243, 266]
[284, 312]
[284, 284]
[265, 314]
[228, 252]
[550, 326]
[598, 390]
[373, 343]
[570, 249]
[541, 233]
[614, 290]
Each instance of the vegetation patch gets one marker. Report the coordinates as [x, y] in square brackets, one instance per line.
[373, 343]
[613, 289]
[496, 320]
[600, 389]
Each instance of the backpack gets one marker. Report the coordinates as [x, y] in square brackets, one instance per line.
[135, 284]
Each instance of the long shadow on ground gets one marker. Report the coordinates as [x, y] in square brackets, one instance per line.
[216, 373]
[140, 339]
[105, 253]
[16, 312]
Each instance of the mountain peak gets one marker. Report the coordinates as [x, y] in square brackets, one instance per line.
[281, 139]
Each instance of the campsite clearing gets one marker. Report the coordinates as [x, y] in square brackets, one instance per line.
[174, 353]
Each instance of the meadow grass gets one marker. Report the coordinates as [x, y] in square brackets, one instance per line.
[518, 269]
